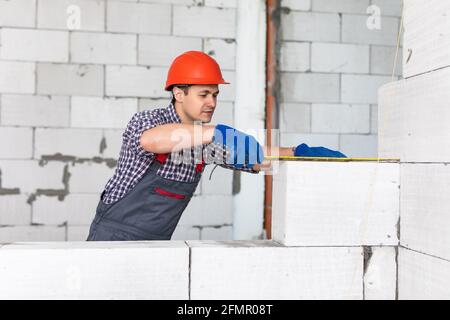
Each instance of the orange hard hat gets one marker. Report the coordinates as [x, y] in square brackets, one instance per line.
[194, 67]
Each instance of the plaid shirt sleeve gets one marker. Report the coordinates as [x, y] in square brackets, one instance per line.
[137, 125]
[215, 153]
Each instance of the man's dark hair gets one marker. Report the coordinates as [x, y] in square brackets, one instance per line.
[184, 87]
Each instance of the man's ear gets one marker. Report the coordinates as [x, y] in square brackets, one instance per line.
[178, 94]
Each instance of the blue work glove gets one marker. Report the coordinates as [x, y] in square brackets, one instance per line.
[304, 151]
[244, 148]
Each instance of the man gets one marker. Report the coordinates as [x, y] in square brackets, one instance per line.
[165, 150]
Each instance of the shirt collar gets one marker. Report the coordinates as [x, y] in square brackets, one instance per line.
[173, 115]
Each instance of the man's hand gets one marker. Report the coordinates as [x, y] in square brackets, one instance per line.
[303, 150]
[244, 149]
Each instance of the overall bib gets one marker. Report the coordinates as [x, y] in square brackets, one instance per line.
[149, 211]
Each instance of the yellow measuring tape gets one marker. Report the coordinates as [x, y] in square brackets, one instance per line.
[292, 158]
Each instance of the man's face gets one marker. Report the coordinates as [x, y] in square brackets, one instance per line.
[200, 102]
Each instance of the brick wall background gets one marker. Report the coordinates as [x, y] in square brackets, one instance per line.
[67, 92]
[66, 96]
[332, 65]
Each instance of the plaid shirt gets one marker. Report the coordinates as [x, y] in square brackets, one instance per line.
[134, 160]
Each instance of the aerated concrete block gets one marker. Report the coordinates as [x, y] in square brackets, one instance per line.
[311, 26]
[95, 270]
[140, 17]
[30, 175]
[31, 233]
[336, 203]
[71, 14]
[74, 209]
[422, 277]
[18, 13]
[413, 118]
[426, 39]
[17, 77]
[103, 48]
[14, 210]
[198, 21]
[35, 45]
[80, 143]
[380, 273]
[35, 111]
[70, 79]
[93, 112]
[265, 270]
[425, 208]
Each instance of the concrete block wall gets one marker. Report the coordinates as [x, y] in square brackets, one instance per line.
[414, 112]
[72, 74]
[335, 230]
[336, 203]
[206, 270]
[334, 206]
[333, 58]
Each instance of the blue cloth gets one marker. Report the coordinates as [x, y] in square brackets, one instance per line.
[304, 150]
[244, 149]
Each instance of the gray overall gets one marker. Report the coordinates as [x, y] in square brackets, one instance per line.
[150, 211]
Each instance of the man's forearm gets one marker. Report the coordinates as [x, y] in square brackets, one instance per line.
[174, 137]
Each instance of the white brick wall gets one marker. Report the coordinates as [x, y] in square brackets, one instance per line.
[85, 83]
[295, 56]
[32, 233]
[310, 87]
[342, 6]
[29, 175]
[359, 146]
[300, 112]
[412, 111]
[362, 88]
[242, 266]
[14, 210]
[18, 13]
[223, 51]
[386, 35]
[69, 142]
[67, 79]
[73, 271]
[303, 5]
[311, 26]
[17, 77]
[336, 204]
[380, 277]
[73, 73]
[140, 17]
[103, 48]
[203, 210]
[16, 143]
[34, 111]
[34, 45]
[422, 277]
[340, 118]
[54, 14]
[345, 58]
[135, 81]
[331, 54]
[113, 139]
[427, 37]
[197, 21]
[425, 218]
[383, 60]
[91, 112]
[89, 177]
[151, 54]
[75, 209]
